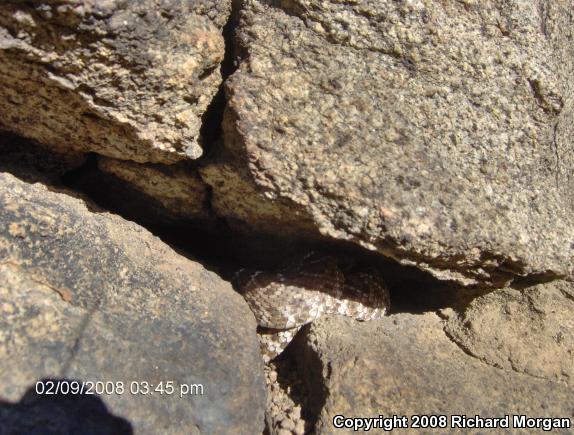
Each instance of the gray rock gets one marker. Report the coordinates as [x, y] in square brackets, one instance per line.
[128, 80]
[405, 365]
[88, 296]
[530, 330]
[439, 134]
[37, 332]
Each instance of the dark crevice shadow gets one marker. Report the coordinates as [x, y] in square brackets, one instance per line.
[30, 162]
[434, 297]
[294, 386]
[60, 414]
[312, 395]
[74, 175]
[211, 242]
[214, 244]
[212, 119]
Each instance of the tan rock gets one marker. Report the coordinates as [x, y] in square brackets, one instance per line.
[129, 81]
[436, 133]
[529, 330]
[406, 365]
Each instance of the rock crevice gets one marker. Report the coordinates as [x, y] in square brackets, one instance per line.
[429, 139]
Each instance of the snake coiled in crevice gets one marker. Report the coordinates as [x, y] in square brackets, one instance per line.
[302, 290]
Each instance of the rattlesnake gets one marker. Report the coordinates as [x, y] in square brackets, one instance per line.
[303, 290]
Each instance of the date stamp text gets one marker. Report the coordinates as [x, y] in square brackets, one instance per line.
[144, 388]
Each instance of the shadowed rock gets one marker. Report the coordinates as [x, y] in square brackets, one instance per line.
[86, 295]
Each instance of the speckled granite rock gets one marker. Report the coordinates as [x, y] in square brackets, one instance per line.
[437, 133]
[406, 365]
[529, 330]
[129, 80]
[247, 209]
[89, 296]
[177, 189]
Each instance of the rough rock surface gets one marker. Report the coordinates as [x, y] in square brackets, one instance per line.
[177, 189]
[529, 330]
[286, 395]
[406, 365]
[249, 210]
[86, 295]
[437, 133]
[129, 80]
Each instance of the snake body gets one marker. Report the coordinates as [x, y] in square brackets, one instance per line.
[303, 290]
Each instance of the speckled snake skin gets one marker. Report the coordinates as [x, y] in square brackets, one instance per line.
[299, 293]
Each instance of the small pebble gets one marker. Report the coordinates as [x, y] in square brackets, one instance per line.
[295, 413]
[273, 376]
[288, 424]
[300, 428]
